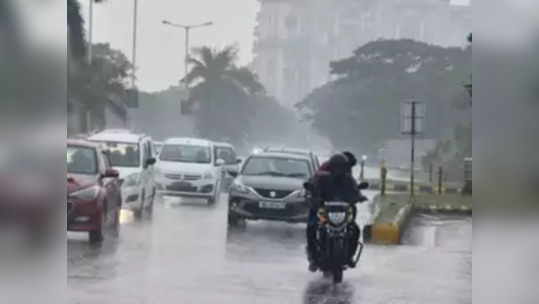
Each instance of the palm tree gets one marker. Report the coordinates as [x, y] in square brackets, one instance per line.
[75, 26]
[219, 86]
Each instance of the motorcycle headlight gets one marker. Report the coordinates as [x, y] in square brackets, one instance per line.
[239, 188]
[132, 180]
[86, 194]
[337, 218]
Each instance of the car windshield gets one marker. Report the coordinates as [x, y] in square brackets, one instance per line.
[277, 166]
[125, 155]
[185, 154]
[81, 160]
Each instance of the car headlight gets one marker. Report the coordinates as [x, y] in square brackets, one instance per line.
[239, 188]
[157, 172]
[337, 218]
[301, 193]
[208, 175]
[86, 194]
[132, 180]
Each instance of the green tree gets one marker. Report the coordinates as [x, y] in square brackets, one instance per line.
[75, 27]
[101, 84]
[365, 98]
[222, 92]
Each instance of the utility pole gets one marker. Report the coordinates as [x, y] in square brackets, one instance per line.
[187, 29]
[412, 123]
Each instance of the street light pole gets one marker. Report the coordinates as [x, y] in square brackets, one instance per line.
[187, 29]
[127, 122]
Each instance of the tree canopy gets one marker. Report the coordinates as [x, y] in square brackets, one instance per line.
[75, 27]
[223, 93]
[363, 103]
[101, 84]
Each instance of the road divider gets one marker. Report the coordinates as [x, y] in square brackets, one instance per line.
[394, 211]
[420, 188]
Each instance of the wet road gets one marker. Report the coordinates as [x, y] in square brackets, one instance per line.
[185, 254]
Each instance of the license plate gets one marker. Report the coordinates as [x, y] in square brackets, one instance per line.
[272, 205]
[182, 186]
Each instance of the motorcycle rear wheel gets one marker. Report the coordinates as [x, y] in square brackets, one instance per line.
[337, 276]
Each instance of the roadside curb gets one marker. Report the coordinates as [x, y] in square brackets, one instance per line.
[420, 188]
[393, 213]
[390, 233]
[447, 209]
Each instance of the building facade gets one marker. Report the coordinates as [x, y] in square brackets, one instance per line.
[295, 40]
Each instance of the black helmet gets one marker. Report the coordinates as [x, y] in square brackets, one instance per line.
[351, 158]
[339, 164]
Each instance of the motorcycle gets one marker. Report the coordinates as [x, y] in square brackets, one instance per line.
[334, 235]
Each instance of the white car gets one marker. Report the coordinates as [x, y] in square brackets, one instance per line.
[226, 152]
[133, 155]
[158, 145]
[189, 167]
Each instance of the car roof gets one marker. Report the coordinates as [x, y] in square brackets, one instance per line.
[81, 143]
[282, 155]
[188, 141]
[124, 136]
[288, 150]
[223, 145]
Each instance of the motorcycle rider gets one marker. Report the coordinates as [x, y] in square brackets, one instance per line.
[351, 159]
[336, 184]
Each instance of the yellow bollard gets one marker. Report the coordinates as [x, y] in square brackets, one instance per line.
[383, 176]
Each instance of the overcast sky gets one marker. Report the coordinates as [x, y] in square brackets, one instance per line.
[161, 48]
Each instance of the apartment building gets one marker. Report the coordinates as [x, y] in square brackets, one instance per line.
[297, 39]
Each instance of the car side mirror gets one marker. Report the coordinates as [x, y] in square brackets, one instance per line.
[308, 186]
[219, 162]
[150, 162]
[363, 186]
[111, 173]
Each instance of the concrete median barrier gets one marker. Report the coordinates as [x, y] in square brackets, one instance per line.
[393, 213]
[420, 188]
[390, 220]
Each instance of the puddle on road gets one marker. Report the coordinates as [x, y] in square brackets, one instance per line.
[453, 233]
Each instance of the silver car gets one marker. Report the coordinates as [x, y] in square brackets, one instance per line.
[269, 186]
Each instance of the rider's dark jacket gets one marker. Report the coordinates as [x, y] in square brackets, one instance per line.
[329, 188]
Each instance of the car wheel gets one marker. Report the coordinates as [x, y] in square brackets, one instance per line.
[149, 208]
[96, 236]
[138, 213]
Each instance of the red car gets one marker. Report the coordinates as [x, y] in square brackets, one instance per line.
[93, 190]
[27, 200]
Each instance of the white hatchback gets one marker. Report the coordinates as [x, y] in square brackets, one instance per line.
[189, 167]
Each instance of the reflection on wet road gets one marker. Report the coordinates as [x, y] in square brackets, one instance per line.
[185, 254]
